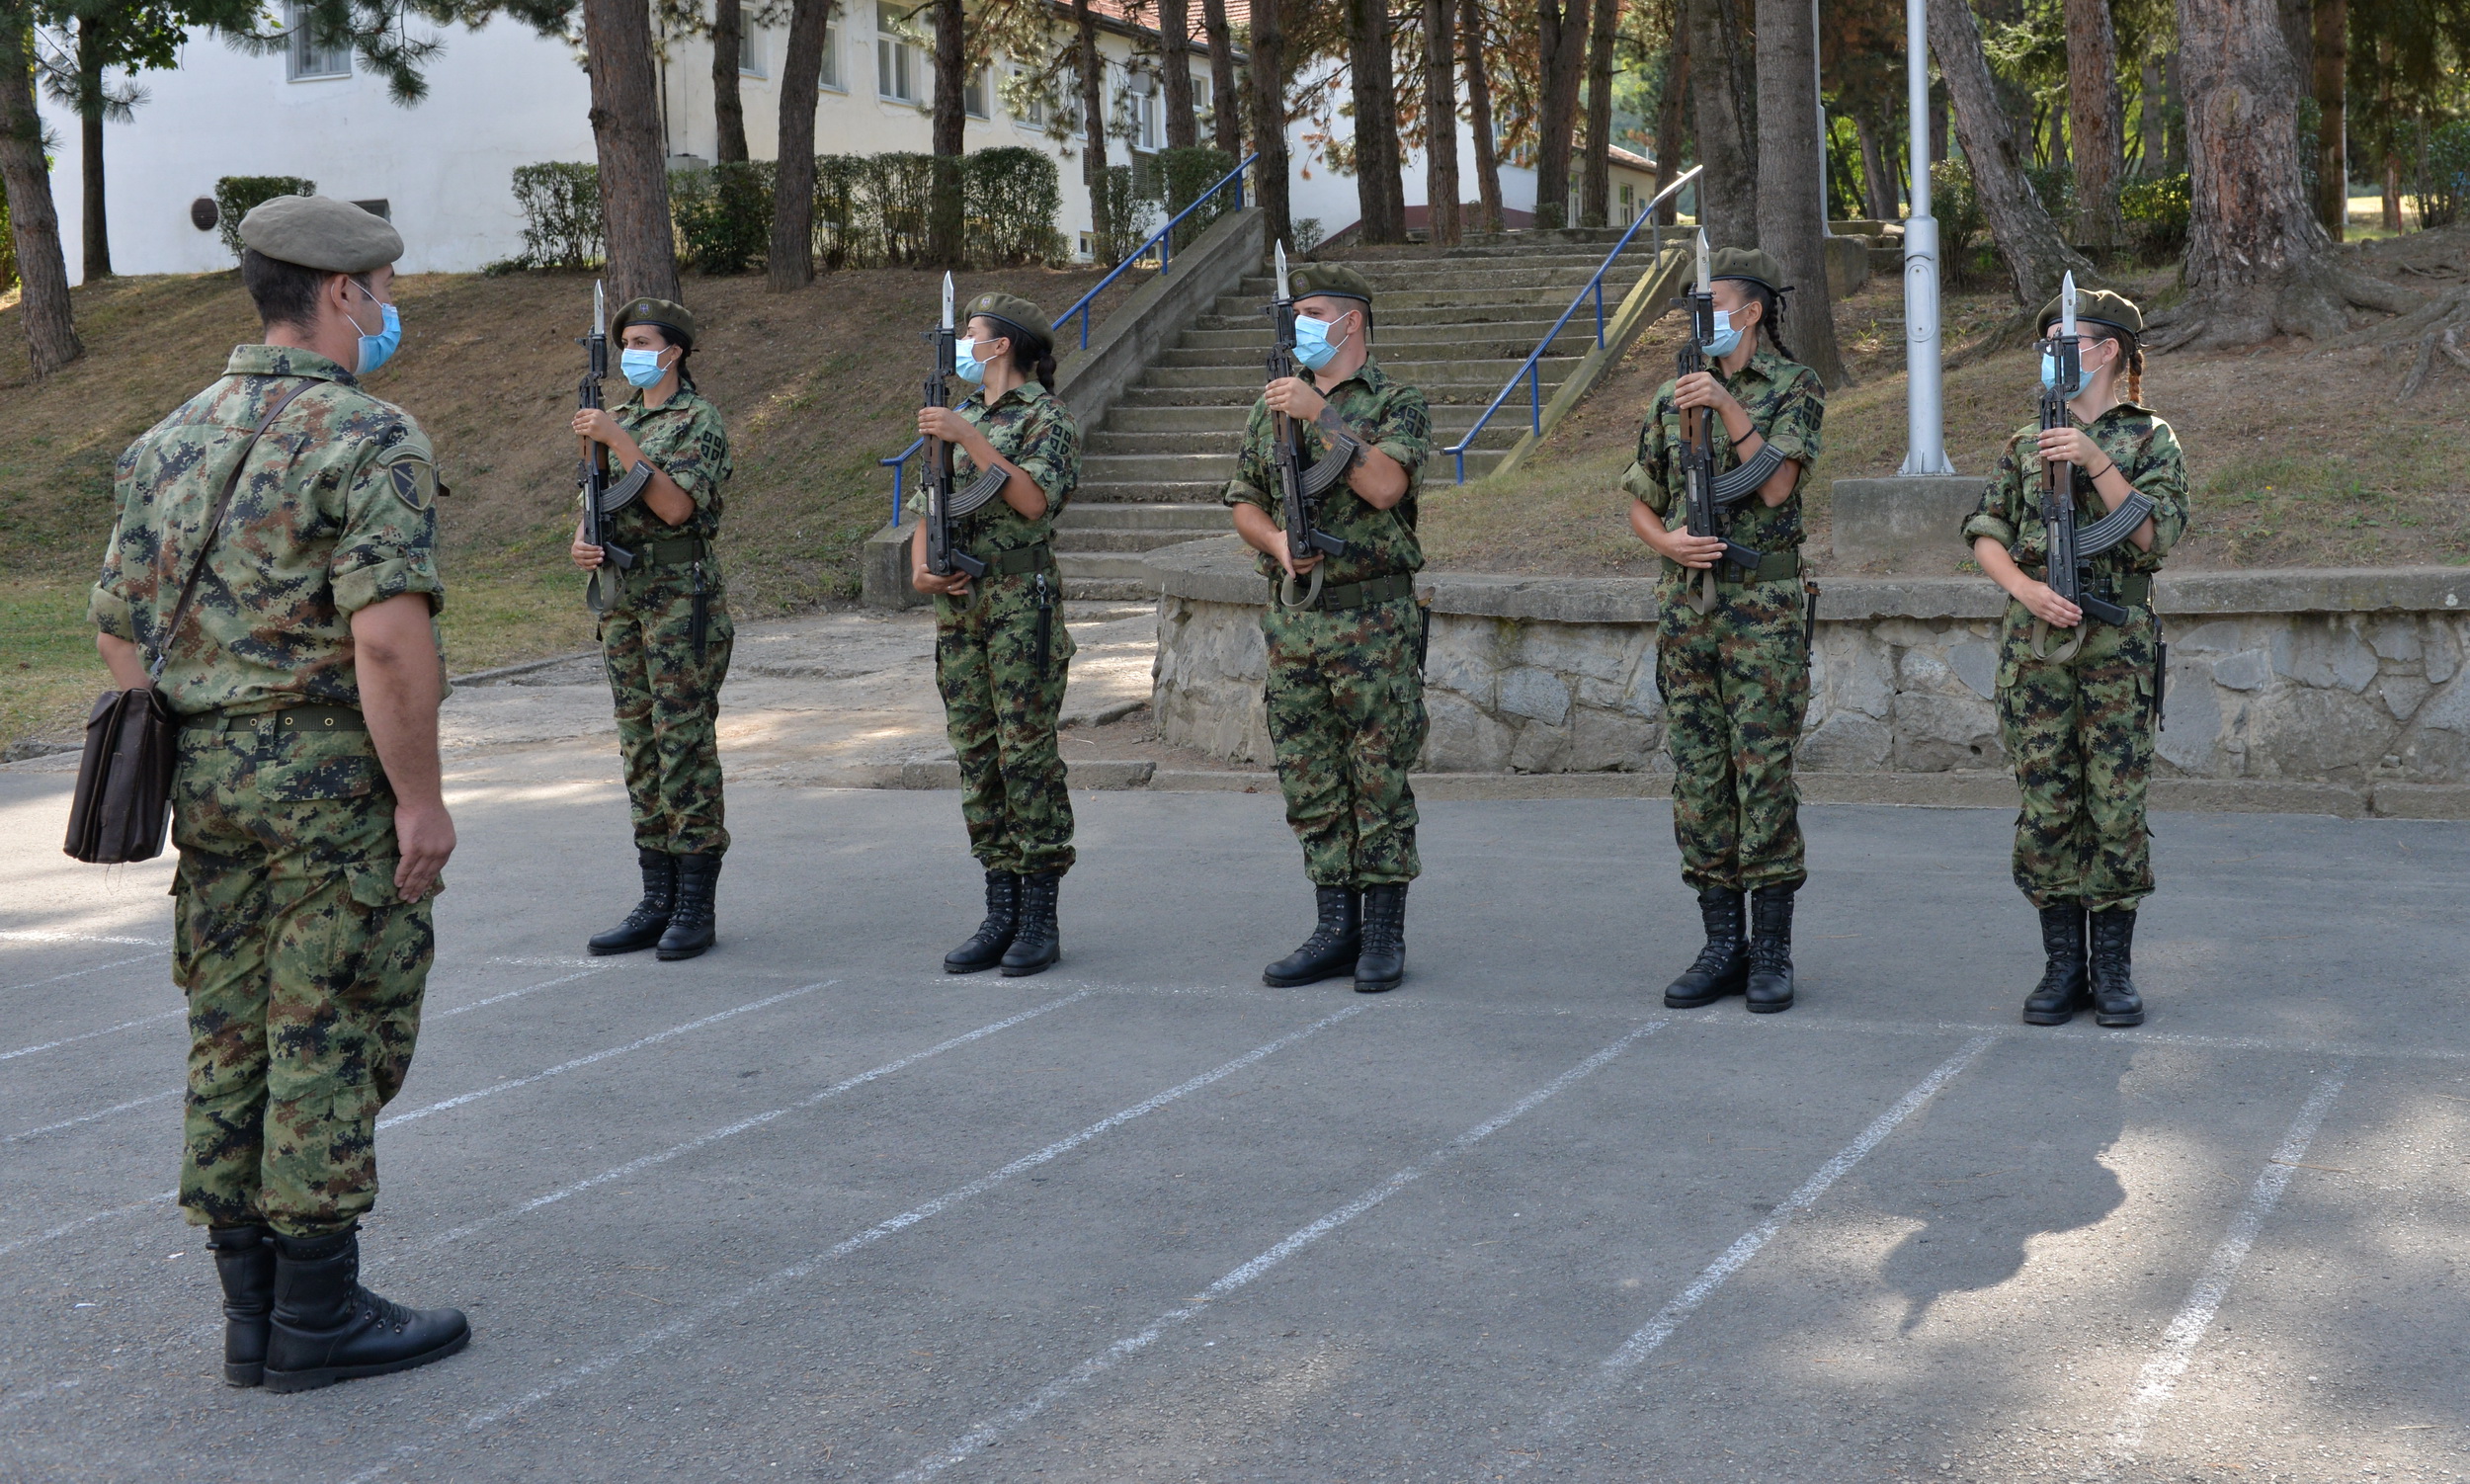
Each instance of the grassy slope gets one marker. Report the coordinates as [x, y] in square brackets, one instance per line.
[2297, 457]
[816, 386]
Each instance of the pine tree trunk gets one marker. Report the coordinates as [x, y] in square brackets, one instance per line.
[1878, 183]
[2332, 64]
[1479, 113]
[1595, 185]
[625, 133]
[1561, 55]
[1092, 68]
[790, 264]
[951, 125]
[1226, 108]
[2028, 241]
[1723, 95]
[1268, 119]
[728, 43]
[43, 272]
[1385, 105]
[1792, 218]
[2150, 142]
[1441, 122]
[1669, 120]
[1371, 125]
[1174, 32]
[2096, 121]
[98, 228]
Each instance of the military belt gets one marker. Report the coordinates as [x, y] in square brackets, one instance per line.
[677, 551]
[1774, 566]
[2129, 589]
[298, 719]
[1038, 558]
[1360, 594]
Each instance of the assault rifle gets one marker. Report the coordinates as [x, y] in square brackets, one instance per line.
[601, 498]
[1298, 488]
[2068, 561]
[1700, 509]
[943, 504]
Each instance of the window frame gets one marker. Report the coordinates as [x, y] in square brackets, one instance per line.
[751, 43]
[828, 77]
[299, 50]
[896, 55]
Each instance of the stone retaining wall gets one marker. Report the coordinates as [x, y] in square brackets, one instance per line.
[2352, 680]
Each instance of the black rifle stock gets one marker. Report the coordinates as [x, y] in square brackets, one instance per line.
[942, 559]
[593, 475]
[1699, 512]
[2070, 575]
[1303, 538]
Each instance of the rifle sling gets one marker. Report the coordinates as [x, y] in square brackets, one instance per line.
[2127, 589]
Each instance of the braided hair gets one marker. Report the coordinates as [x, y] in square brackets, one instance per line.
[1031, 355]
[2131, 357]
[1771, 315]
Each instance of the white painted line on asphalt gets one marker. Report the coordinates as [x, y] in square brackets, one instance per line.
[512, 994]
[601, 1364]
[26, 935]
[986, 1434]
[117, 1108]
[547, 962]
[1616, 1366]
[2159, 1376]
[699, 1141]
[63, 1230]
[563, 1068]
[70, 1040]
[79, 973]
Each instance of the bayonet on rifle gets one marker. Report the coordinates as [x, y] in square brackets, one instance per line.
[1295, 485]
[593, 475]
[2066, 567]
[942, 559]
[1703, 516]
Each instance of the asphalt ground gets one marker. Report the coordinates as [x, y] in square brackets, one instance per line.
[809, 1209]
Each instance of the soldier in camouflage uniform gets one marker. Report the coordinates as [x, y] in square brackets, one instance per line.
[305, 800]
[666, 633]
[2078, 717]
[1346, 685]
[1734, 673]
[1002, 652]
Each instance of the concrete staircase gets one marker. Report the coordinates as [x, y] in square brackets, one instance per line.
[1456, 326]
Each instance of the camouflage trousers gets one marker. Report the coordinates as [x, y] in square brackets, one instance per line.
[1346, 721]
[2080, 735]
[303, 972]
[1735, 686]
[999, 711]
[668, 710]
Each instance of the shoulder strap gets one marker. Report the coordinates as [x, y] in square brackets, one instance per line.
[214, 525]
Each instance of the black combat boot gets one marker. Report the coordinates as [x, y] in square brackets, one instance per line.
[694, 925]
[1003, 919]
[1382, 962]
[650, 917]
[2115, 1000]
[1769, 987]
[328, 1328]
[2064, 989]
[1037, 942]
[1331, 949]
[244, 1259]
[1723, 967]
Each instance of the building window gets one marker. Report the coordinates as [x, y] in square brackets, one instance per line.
[829, 75]
[308, 57]
[1032, 107]
[897, 63]
[1629, 204]
[974, 95]
[751, 53]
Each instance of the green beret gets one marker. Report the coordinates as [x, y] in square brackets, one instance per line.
[2100, 306]
[321, 232]
[1335, 279]
[672, 319]
[1748, 263]
[1015, 313]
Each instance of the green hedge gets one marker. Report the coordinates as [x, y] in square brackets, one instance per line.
[723, 214]
[2444, 189]
[1012, 196]
[561, 206]
[2157, 212]
[235, 194]
[1185, 174]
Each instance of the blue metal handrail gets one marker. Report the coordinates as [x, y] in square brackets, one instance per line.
[1161, 239]
[1532, 372]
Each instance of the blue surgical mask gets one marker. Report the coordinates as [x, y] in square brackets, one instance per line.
[379, 349]
[1726, 339]
[1312, 343]
[642, 368]
[965, 361]
[2049, 375]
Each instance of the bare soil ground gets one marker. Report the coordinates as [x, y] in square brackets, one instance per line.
[816, 386]
[2298, 454]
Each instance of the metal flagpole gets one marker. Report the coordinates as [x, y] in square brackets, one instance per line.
[1924, 416]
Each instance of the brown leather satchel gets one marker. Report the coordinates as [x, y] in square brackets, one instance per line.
[123, 807]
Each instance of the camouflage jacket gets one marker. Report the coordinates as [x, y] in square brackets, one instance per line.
[1786, 403]
[337, 510]
[1392, 417]
[1029, 426]
[2145, 450]
[683, 439]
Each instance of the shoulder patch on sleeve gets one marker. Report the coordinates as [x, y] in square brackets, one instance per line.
[409, 466]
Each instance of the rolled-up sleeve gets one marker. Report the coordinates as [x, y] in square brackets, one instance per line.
[2161, 475]
[1405, 432]
[1792, 430]
[1253, 478]
[1996, 516]
[1648, 479]
[388, 545]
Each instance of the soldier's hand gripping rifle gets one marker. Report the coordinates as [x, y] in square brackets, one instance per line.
[2068, 566]
[1704, 498]
[945, 505]
[600, 497]
[1299, 489]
